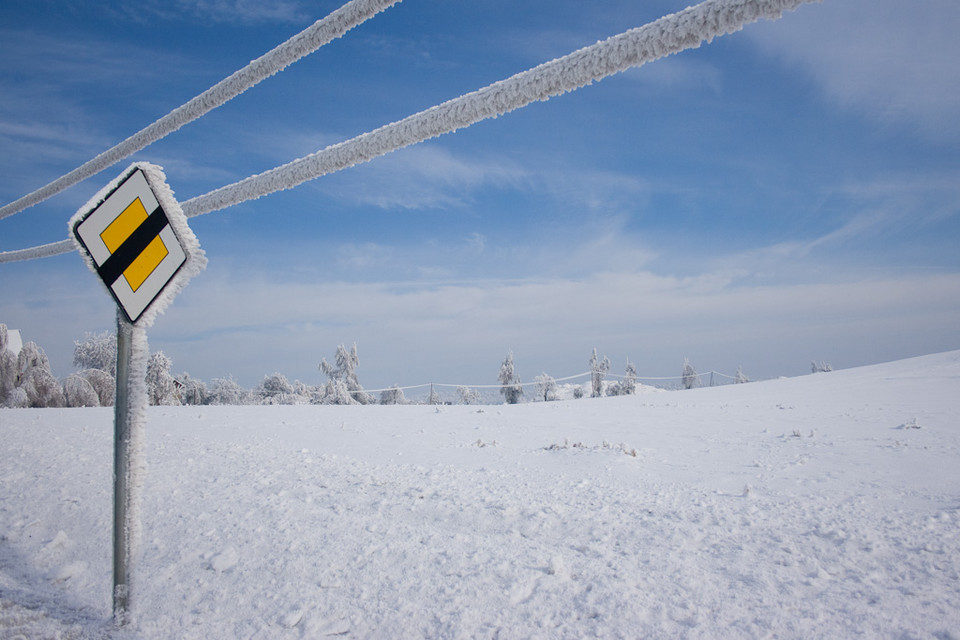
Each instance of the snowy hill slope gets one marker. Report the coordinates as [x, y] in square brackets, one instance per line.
[821, 506]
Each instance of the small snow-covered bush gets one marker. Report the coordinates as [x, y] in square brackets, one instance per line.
[103, 384]
[79, 392]
[466, 395]
[227, 391]
[393, 395]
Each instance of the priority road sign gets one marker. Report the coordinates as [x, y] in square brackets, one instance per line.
[133, 234]
[129, 236]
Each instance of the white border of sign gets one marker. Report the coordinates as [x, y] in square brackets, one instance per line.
[161, 286]
[136, 186]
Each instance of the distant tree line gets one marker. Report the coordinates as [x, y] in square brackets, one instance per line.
[27, 381]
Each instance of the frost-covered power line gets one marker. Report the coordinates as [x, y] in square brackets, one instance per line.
[671, 34]
[304, 43]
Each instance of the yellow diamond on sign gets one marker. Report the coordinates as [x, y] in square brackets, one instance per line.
[120, 229]
[144, 265]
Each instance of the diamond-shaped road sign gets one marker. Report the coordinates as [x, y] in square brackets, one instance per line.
[132, 238]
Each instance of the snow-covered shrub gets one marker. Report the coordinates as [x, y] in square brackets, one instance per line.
[306, 394]
[337, 392]
[510, 385]
[275, 389]
[546, 387]
[161, 389]
[466, 395]
[18, 399]
[820, 367]
[79, 392]
[36, 380]
[740, 378]
[227, 391]
[192, 391]
[96, 351]
[393, 395]
[103, 384]
[598, 370]
[690, 377]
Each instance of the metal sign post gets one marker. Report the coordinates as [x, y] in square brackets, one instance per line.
[134, 236]
[121, 474]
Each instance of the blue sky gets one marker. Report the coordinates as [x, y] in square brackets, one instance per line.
[784, 194]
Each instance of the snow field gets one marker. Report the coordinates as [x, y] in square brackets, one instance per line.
[821, 506]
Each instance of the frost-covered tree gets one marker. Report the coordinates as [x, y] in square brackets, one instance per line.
[393, 395]
[546, 387]
[36, 380]
[740, 378]
[466, 395]
[8, 369]
[690, 378]
[79, 392]
[96, 351]
[629, 384]
[598, 370]
[306, 394]
[342, 384]
[434, 397]
[820, 367]
[161, 389]
[510, 385]
[227, 391]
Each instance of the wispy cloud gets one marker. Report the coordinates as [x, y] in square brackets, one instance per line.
[424, 176]
[226, 11]
[459, 329]
[895, 62]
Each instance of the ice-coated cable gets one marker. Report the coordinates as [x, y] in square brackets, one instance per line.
[671, 34]
[304, 43]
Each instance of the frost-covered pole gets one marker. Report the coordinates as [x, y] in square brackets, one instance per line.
[130, 409]
[113, 231]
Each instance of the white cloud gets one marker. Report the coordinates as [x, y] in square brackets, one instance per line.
[414, 332]
[893, 61]
[425, 176]
[227, 11]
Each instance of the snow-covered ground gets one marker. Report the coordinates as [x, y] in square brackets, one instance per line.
[821, 506]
